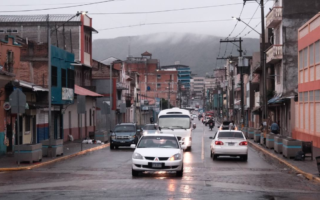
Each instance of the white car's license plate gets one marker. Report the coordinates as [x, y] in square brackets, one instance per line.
[156, 165]
[230, 144]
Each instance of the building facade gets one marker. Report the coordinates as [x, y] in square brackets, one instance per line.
[307, 108]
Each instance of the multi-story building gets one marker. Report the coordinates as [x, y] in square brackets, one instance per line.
[198, 88]
[285, 18]
[307, 109]
[184, 74]
[153, 81]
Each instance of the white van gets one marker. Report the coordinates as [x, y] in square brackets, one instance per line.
[178, 122]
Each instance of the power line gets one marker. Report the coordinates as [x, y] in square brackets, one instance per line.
[56, 8]
[164, 23]
[161, 11]
[251, 30]
[47, 4]
[249, 21]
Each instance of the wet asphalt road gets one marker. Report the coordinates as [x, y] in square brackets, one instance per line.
[106, 174]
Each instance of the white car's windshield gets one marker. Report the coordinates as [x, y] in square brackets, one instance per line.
[158, 142]
[174, 122]
[230, 135]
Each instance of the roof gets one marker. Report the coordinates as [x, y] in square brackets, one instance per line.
[82, 91]
[109, 60]
[146, 54]
[35, 88]
[40, 18]
[174, 110]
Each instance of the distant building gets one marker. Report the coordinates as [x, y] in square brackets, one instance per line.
[199, 86]
[184, 73]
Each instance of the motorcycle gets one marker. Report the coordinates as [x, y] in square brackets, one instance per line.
[211, 126]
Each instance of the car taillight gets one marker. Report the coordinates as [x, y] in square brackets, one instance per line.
[244, 143]
[219, 143]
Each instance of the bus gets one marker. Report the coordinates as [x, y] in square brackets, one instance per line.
[178, 122]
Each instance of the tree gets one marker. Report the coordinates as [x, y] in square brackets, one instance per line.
[164, 104]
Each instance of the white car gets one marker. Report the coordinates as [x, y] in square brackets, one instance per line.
[229, 143]
[157, 153]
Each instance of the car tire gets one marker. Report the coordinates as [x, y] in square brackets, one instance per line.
[244, 158]
[180, 173]
[210, 153]
[111, 146]
[117, 147]
[214, 157]
[135, 173]
[189, 149]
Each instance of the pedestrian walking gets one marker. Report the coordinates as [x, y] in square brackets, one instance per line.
[231, 125]
[275, 128]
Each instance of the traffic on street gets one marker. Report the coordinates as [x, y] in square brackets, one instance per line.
[107, 174]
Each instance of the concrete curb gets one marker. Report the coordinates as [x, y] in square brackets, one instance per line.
[54, 160]
[296, 169]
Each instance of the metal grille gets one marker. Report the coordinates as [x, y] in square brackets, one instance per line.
[122, 137]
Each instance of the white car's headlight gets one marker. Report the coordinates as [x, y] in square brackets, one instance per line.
[145, 133]
[137, 156]
[175, 157]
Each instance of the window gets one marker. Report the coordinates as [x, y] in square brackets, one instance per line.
[63, 78]
[70, 78]
[9, 62]
[158, 85]
[311, 96]
[158, 76]
[311, 56]
[317, 52]
[305, 57]
[2, 31]
[54, 76]
[12, 31]
[305, 96]
[300, 97]
[301, 59]
[317, 95]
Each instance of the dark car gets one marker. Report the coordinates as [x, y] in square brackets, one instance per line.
[225, 125]
[125, 134]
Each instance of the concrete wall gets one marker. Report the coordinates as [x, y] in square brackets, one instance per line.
[71, 120]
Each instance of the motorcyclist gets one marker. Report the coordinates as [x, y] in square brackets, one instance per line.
[211, 122]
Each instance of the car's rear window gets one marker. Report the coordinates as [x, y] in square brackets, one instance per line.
[158, 142]
[149, 127]
[230, 135]
[124, 128]
[226, 123]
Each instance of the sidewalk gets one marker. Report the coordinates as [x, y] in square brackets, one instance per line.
[70, 149]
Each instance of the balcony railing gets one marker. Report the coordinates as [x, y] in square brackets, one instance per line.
[274, 17]
[274, 54]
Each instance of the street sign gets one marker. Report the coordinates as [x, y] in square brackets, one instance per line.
[17, 100]
[81, 103]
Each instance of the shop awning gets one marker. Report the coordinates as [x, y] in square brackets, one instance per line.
[85, 92]
[31, 86]
[275, 99]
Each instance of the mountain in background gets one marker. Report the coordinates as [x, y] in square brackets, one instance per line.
[197, 51]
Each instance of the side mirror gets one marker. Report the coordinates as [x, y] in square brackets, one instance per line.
[211, 138]
[132, 146]
[194, 126]
[139, 130]
[184, 147]
[218, 126]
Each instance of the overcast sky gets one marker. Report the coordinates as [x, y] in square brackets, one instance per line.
[100, 22]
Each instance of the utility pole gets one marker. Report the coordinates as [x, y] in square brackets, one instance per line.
[241, 75]
[169, 83]
[263, 61]
[51, 133]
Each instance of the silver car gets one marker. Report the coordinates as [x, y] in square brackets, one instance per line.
[229, 143]
[149, 129]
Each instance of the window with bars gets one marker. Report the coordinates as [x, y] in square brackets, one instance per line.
[54, 76]
[317, 51]
[158, 85]
[158, 76]
[311, 55]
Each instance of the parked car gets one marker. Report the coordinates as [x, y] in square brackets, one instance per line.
[149, 129]
[125, 134]
[158, 153]
[229, 143]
